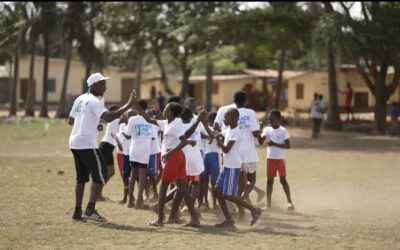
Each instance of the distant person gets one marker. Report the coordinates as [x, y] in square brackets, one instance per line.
[321, 111]
[278, 140]
[315, 115]
[349, 96]
[161, 101]
[85, 115]
[394, 114]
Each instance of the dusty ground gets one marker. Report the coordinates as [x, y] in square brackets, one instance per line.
[344, 186]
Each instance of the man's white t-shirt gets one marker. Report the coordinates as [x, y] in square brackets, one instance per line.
[247, 124]
[86, 111]
[141, 133]
[112, 127]
[278, 135]
[155, 142]
[232, 159]
[172, 132]
[220, 115]
[316, 108]
[125, 143]
[194, 161]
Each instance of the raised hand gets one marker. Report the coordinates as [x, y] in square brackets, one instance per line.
[203, 115]
[132, 97]
[191, 143]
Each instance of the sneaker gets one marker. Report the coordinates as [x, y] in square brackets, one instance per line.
[93, 215]
[225, 223]
[77, 215]
[290, 206]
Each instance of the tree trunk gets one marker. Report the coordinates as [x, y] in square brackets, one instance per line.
[30, 101]
[185, 82]
[14, 99]
[380, 108]
[164, 78]
[138, 78]
[279, 83]
[333, 122]
[89, 63]
[62, 111]
[43, 108]
[209, 83]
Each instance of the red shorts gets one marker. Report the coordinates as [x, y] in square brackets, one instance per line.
[276, 165]
[158, 160]
[175, 168]
[119, 160]
[193, 178]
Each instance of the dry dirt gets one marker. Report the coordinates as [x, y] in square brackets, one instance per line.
[345, 187]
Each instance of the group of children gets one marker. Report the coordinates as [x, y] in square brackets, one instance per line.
[181, 146]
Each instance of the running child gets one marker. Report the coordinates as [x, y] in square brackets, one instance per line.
[140, 132]
[175, 138]
[228, 179]
[211, 164]
[278, 140]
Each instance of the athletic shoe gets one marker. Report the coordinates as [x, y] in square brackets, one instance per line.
[93, 215]
[290, 206]
[77, 215]
[256, 214]
[225, 223]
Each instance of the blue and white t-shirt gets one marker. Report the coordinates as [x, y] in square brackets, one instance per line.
[142, 134]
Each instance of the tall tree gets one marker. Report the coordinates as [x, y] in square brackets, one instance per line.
[72, 25]
[48, 22]
[33, 37]
[373, 44]
[333, 121]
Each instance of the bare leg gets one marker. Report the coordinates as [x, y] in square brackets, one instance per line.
[177, 200]
[79, 191]
[182, 188]
[240, 193]
[134, 174]
[154, 185]
[205, 191]
[95, 191]
[126, 190]
[270, 184]
[161, 200]
[142, 183]
[214, 194]
[252, 179]
[111, 172]
[222, 204]
[286, 188]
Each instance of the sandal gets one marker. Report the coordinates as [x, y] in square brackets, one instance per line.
[178, 220]
[256, 215]
[192, 224]
[156, 223]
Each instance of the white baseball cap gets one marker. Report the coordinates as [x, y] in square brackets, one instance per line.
[96, 77]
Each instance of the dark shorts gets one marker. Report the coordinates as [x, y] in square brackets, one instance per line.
[126, 169]
[107, 150]
[90, 161]
[136, 164]
[348, 109]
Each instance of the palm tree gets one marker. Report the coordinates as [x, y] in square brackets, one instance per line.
[33, 37]
[13, 31]
[73, 22]
[48, 24]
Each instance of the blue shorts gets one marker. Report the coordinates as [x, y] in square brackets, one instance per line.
[211, 166]
[228, 181]
[126, 168]
[152, 167]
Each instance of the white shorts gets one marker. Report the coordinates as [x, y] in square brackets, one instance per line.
[249, 167]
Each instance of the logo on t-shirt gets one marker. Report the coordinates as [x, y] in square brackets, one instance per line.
[243, 122]
[79, 108]
[143, 130]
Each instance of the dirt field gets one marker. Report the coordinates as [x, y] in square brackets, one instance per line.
[345, 187]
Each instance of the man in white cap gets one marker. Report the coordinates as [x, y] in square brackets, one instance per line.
[85, 115]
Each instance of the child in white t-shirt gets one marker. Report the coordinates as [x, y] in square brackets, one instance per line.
[211, 164]
[123, 153]
[278, 140]
[228, 179]
[139, 153]
[152, 168]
